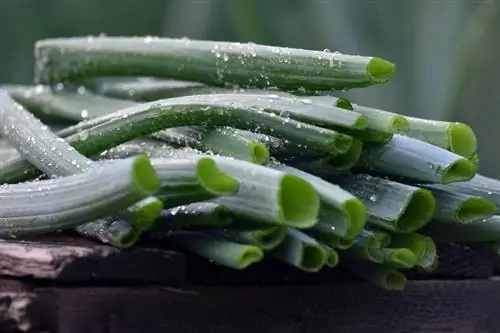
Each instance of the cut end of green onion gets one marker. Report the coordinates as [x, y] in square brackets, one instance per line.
[214, 179]
[332, 259]
[299, 202]
[223, 216]
[475, 160]
[402, 258]
[460, 171]
[146, 212]
[379, 240]
[399, 124]
[342, 143]
[343, 104]
[475, 209]
[360, 123]
[259, 152]
[393, 280]
[314, 257]
[429, 259]
[270, 238]
[418, 213]
[344, 244]
[145, 178]
[356, 213]
[249, 255]
[122, 235]
[462, 139]
[380, 70]
[348, 159]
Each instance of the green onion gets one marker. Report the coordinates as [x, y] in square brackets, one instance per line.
[53, 156]
[378, 120]
[380, 275]
[479, 186]
[335, 198]
[50, 205]
[329, 238]
[223, 140]
[110, 231]
[216, 63]
[198, 214]
[264, 194]
[332, 257]
[331, 165]
[459, 207]
[486, 230]
[128, 124]
[475, 160]
[390, 205]
[301, 251]
[423, 247]
[145, 89]
[217, 249]
[64, 106]
[373, 246]
[455, 137]
[414, 159]
[266, 239]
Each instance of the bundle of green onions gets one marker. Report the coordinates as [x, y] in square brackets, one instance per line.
[236, 153]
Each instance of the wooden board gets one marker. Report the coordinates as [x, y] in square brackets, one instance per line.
[71, 285]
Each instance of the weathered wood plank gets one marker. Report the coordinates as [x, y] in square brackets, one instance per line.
[75, 260]
[15, 311]
[426, 306]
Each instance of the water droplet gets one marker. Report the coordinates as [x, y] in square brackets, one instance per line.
[148, 39]
[81, 90]
[373, 198]
[225, 57]
[84, 113]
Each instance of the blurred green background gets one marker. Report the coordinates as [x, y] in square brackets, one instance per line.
[445, 50]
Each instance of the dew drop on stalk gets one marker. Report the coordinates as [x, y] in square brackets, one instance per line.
[81, 90]
[84, 114]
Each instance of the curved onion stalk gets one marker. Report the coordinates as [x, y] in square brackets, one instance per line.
[486, 230]
[461, 208]
[127, 124]
[80, 106]
[214, 63]
[216, 249]
[390, 205]
[301, 251]
[456, 137]
[266, 239]
[50, 205]
[52, 155]
[479, 186]
[198, 214]
[147, 89]
[414, 159]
